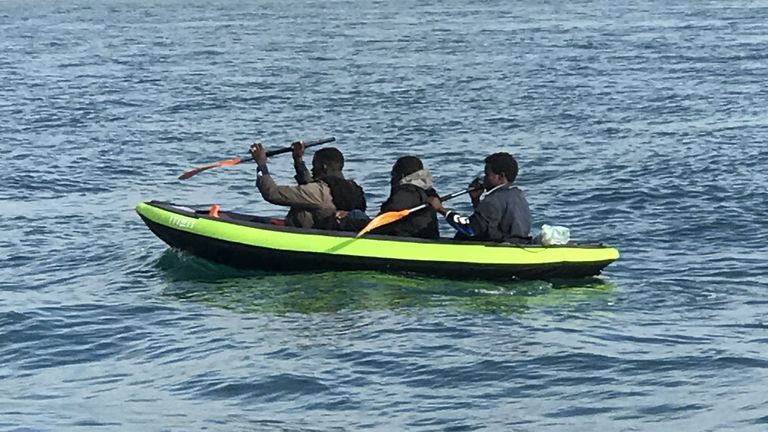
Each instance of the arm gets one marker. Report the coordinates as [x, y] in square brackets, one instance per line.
[457, 221]
[460, 223]
[485, 219]
[308, 196]
[482, 221]
[302, 173]
[480, 224]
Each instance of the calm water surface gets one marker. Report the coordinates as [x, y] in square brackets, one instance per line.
[640, 125]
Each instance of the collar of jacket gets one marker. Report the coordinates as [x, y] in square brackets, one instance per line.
[505, 186]
[332, 174]
[421, 178]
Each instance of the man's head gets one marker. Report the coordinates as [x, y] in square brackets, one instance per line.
[500, 168]
[326, 161]
[405, 166]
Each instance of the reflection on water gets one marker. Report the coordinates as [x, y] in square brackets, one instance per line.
[193, 279]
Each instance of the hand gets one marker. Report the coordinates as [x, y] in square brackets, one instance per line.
[477, 183]
[298, 148]
[340, 214]
[475, 195]
[259, 154]
[476, 190]
[435, 203]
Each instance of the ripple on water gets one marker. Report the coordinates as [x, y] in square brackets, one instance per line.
[637, 125]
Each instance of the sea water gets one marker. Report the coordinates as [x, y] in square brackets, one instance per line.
[642, 125]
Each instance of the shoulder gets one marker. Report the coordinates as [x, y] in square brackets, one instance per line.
[355, 184]
[404, 189]
[401, 198]
[411, 192]
[507, 193]
[510, 197]
[316, 188]
[337, 181]
[516, 194]
[317, 185]
[495, 200]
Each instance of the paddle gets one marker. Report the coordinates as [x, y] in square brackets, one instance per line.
[394, 216]
[237, 160]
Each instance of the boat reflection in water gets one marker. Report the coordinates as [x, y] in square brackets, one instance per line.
[195, 279]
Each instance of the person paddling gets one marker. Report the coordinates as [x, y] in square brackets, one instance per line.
[503, 215]
[318, 195]
[411, 185]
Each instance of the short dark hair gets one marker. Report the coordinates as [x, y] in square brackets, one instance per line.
[503, 163]
[331, 158]
[406, 165]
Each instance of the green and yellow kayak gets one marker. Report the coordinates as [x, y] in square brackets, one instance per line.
[251, 242]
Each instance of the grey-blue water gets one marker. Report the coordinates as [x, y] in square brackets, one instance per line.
[640, 124]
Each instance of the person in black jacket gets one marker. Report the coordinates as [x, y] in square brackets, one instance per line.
[503, 215]
[411, 185]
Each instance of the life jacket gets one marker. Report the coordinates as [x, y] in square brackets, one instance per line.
[346, 195]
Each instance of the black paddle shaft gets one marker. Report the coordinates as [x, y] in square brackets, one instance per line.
[457, 193]
[306, 145]
[446, 198]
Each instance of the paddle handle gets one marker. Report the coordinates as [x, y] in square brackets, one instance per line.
[306, 145]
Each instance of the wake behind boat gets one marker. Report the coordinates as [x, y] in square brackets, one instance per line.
[251, 242]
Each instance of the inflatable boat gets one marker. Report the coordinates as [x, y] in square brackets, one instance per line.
[260, 243]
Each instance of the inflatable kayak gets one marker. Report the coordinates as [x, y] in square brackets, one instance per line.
[251, 242]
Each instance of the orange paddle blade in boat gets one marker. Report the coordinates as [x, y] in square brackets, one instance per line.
[384, 219]
[394, 216]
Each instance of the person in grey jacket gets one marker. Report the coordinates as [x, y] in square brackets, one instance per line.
[315, 200]
[503, 215]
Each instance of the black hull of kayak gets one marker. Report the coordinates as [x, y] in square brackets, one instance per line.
[251, 257]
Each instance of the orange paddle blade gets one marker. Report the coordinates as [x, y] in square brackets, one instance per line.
[228, 162]
[384, 219]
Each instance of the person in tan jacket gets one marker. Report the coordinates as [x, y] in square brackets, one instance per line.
[318, 196]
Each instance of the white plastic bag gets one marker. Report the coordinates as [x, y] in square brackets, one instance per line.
[554, 235]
